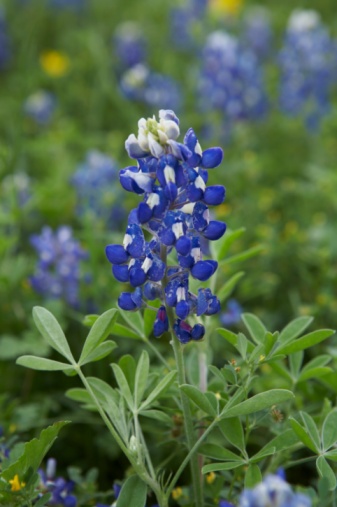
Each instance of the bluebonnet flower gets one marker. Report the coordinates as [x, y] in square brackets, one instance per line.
[257, 32]
[129, 44]
[57, 273]
[95, 181]
[232, 315]
[60, 489]
[307, 62]
[172, 178]
[231, 80]
[185, 21]
[141, 84]
[5, 51]
[273, 492]
[40, 106]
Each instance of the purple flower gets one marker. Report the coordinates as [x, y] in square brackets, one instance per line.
[140, 83]
[129, 44]
[57, 272]
[232, 315]
[60, 489]
[273, 492]
[98, 195]
[172, 179]
[40, 106]
[307, 62]
[5, 51]
[231, 80]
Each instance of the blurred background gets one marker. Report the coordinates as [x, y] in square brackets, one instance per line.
[257, 79]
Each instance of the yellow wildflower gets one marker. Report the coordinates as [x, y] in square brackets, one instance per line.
[210, 478]
[54, 63]
[177, 493]
[227, 7]
[16, 484]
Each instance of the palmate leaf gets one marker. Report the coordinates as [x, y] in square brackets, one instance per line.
[256, 328]
[329, 430]
[33, 453]
[133, 493]
[294, 329]
[325, 470]
[258, 402]
[41, 363]
[100, 330]
[199, 398]
[309, 340]
[52, 332]
[142, 373]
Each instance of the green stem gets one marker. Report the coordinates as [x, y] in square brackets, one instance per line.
[138, 467]
[188, 422]
[190, 455]
[158, 354]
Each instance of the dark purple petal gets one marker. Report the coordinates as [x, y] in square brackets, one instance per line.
[121, 273]
[116, 254]
[197, 332]
[214, 195]
[214, 230]
[211, 158]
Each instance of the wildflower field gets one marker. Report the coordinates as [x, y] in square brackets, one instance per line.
[168, 247]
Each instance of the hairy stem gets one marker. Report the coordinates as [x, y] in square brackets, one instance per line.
[138, 467]
[188, 422]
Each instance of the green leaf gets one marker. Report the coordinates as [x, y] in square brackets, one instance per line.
[258, 402]
[329, 430]
[199, 398]
[128, 365]
[306, 341]
[159, 389]
[98, 333]
[142, 373]
[125, 332]
[314, 373]
[263, 453]
[134, 320]
[229, 286]
[232, 430]
[220, 248]
[52, 332]
[295, 363]
[149, 318]
[89, 320]
[331, 454]
[253, 476]
[102, 350]
[123, 386]
[247, 254]
[269, 342]
[325, 470]
[79, 394]
[233, 339]
[33, 453]
[218, 452]
[283, 441]
[158, 415]
[228, 465]
[40, 363]
[255, 327]
[133, 493]
[294, 329]
[311, 428]
[302, 434]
